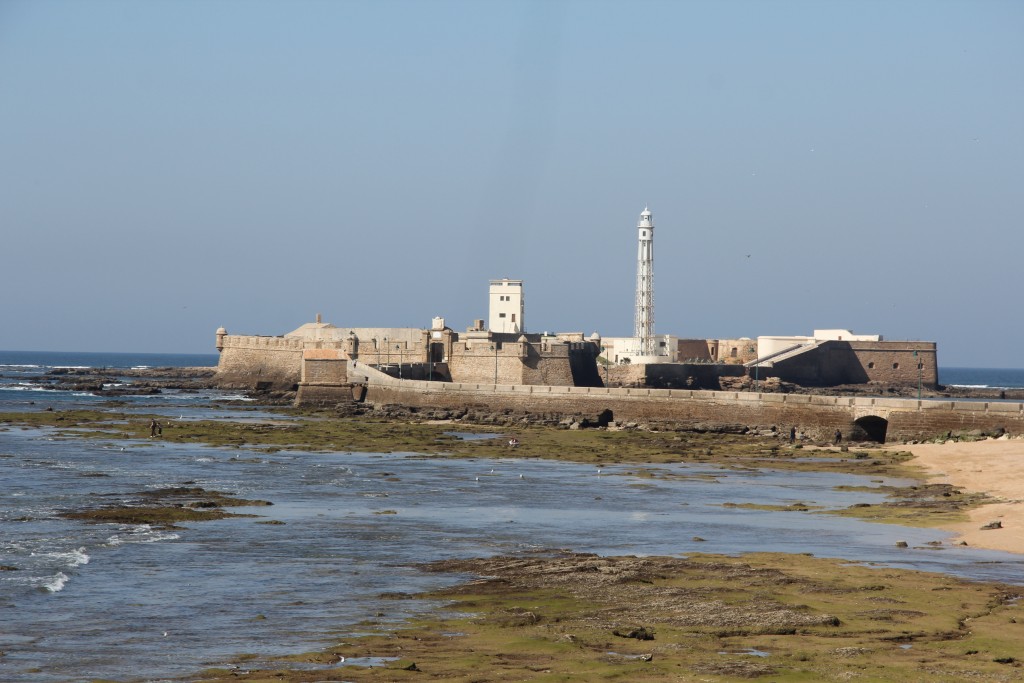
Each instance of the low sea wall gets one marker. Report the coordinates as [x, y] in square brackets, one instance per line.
[879, 419]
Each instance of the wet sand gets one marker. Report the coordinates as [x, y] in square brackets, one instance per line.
[993, 466]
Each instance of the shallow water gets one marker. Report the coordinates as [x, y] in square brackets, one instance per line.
[91, 601]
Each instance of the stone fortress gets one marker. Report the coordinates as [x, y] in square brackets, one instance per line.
[497, 365]
[500, 351]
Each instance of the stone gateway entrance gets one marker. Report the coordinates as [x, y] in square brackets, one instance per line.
[869, 428]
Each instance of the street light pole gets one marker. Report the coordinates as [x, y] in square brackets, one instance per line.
[920, 371]
[495, 347]
[398, 347]
[387, 350]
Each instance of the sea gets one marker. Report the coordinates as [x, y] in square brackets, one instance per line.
[982, 378]
[130, 602]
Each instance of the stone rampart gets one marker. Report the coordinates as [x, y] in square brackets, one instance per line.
[671, 375]
[818, 417]
[837, 362]
[252, 362]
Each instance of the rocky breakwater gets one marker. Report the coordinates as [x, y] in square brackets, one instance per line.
[114, 382]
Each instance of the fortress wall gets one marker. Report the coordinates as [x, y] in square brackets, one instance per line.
[737, 350]
[669, 375]
[860, 362]
[387, 345]
[625, 375]
[817, 416]
[936, 418]
[697, 349]
[327, 395]
[322, 366]
[662, 407]
[551, 367]
[480, 362]
[251, 361]
[895, 363]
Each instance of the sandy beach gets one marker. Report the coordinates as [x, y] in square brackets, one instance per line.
[993, 466]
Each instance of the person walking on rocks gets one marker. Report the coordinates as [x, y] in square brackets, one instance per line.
[838, 437]
[152, 428]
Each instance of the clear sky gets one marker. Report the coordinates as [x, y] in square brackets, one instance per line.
[168, 167]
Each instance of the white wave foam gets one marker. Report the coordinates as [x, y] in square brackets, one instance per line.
[142, 533]
[236, 397]
[79, 557]
[71, 367]
[20, 365]
[56, 584]
[72, 558]
[141, 367]
[970, 386]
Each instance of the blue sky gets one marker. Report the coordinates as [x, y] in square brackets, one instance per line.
[170, 167]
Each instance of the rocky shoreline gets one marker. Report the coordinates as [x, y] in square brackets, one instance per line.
[558, 614]
[114, 382]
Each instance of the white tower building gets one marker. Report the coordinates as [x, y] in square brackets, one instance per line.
[643, 328]
[506, 306]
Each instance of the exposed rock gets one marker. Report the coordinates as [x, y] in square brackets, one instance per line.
[640, 633]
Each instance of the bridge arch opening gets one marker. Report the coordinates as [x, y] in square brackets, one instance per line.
[870, 428]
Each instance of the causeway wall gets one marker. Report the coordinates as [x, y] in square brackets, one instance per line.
[878, 419]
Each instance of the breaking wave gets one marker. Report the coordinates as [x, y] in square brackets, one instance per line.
[55, 584]
[143, 533]
[73, 558]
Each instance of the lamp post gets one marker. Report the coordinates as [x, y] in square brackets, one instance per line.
[757, 366]
[495, 347]
[920, 371]
[398, 347]
[387, 350]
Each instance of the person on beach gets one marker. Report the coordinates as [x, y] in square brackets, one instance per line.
[792, 434]
[838, 437]
[152, 428]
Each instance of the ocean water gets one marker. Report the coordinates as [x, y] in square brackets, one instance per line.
[25, 384]
[27, 360]
[983, 378]
[131, 602]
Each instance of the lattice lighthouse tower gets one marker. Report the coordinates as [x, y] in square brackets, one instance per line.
[643, 328]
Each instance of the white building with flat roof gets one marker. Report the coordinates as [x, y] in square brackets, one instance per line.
[769, 345]
[628, 350]
[507, 306]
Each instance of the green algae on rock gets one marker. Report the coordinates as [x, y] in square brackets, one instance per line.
[167, 507]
